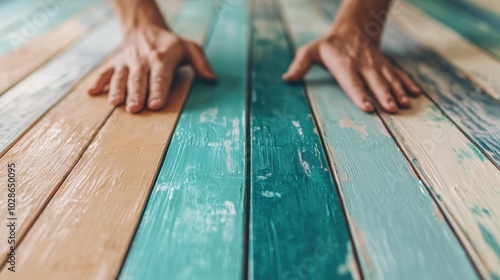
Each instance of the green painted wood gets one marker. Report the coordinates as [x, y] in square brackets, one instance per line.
[478, 31]
[478, 12]
[42, 19]
[297, 226]
[23, 104]
[398, 230]
[193, 226]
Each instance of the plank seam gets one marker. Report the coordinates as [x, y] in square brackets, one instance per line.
[333, 174]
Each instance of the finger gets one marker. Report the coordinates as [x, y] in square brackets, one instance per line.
[380, 89]
[299, 66]
[101, 81]
[396, 86]
[160, 81]
[136, 88]
[199, 61]
[413, 88]
[118, 85]
[349, 80]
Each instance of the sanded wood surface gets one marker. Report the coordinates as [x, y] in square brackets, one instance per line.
[193, 224]
[456, 170]
[297, 225]
[18, 64]
[474, 111]
[476, 30]
[23, 104]
[48, 152]
[476, 64]
[398, 230]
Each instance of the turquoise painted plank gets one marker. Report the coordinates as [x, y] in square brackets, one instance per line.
[398, 230]
[38, 22]
[297, 226]
[478, 31]
[193, 226]
[23, 104]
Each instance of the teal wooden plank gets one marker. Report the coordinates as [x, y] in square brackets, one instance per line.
[193, 226]
[478, 31]
[297, 226]
[398, 230]
[478, 12]
[23, 104]
[43, 19]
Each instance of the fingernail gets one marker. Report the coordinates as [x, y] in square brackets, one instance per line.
[154, 102]
[405, 99]
[392, 103]
[368, 106]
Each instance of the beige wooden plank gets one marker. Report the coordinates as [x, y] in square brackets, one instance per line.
[85, 230]
[105, 191]
[18, 64]
[465, 183]
[473, 61]
[47, 152]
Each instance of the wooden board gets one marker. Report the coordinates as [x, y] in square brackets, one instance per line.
[45, 17]
[23, 104]
[475, 112]
[16, 65]
[477, 31]
[397, 228]
[474, 62]
[491, 5]
[107, 174]
[193, 226]
[426, 133]
[297, 225]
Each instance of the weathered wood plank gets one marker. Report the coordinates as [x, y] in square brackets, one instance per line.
[439, 79]
[49, 150]
[491, 5]
[480, 13]
[16, 65]
[463, 178]
[291, 183]
[475, 112]
[105, 181]
[193, 224]
[398, 230]
[474, 62]
[23, 104]
[47, 153]
[45, 16]
[477, 31]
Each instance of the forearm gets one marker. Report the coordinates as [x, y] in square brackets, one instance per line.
[134, 14]
[361, 16]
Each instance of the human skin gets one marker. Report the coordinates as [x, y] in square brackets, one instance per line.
[352, 55]
[142, 72]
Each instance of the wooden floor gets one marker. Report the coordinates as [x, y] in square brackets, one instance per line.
[249, 177]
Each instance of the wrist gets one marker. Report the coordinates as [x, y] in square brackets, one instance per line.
[140, 15]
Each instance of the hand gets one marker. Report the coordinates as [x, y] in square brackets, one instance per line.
[142, 71]
[356, 70]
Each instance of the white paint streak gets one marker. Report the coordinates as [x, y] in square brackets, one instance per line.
[271, 194]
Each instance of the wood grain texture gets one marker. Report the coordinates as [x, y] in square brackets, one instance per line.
[18, 64]
[297, 225]
[193, 224]
[45, 16]
[469, 185]
[58, 141]
[477, 31]
[23, 104]
[47, 153]
[475, 112]
[474, 62]
[398, 230]
[479, 12]
[86, 228]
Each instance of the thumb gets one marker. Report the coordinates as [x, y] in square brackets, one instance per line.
[199, 61]
[299, 67]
